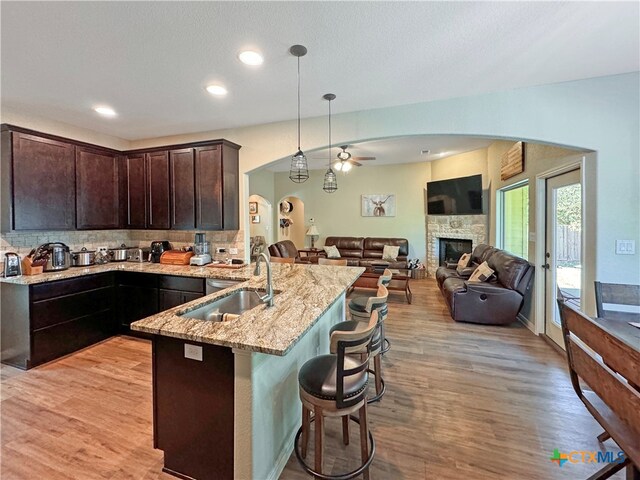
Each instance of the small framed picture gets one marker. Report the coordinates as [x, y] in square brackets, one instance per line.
[253, 208]
[255, 218]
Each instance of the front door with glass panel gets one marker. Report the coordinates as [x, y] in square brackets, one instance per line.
[563, 268]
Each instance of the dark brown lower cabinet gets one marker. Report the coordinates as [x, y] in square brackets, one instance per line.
[193, 406]
[137, 297]
[174, 290]
[45, 321]
[173, 298]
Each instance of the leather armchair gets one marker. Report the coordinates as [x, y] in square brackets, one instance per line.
[287, 249]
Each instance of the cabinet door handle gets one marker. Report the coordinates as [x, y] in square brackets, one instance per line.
[128, 195]
[150, 195]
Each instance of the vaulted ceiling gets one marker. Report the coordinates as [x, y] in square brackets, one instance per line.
[150, 61]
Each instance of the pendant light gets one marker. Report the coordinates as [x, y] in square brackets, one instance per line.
[330, 184]
[299, 170]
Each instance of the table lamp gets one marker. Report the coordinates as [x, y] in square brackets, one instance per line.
[312, 232]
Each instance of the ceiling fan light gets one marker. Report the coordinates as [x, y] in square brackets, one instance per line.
[330, 184]
[337, 166]
[346, 166]
[344, 155]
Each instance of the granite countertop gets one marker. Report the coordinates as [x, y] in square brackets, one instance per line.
[304, 293]
[243, 273]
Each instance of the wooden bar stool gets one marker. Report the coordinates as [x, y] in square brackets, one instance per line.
[335, 385]
[358, 323]
[358, 305]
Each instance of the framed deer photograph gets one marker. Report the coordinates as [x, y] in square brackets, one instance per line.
[383, 205]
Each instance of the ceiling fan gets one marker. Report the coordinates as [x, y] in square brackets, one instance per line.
[345, 161]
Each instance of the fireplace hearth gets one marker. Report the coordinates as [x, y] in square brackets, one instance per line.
[472, 228]
[451, 249]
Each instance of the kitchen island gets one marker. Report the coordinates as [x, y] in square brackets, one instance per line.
[226, 393]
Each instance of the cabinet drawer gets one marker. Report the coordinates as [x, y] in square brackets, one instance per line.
[148, 280]
[71, 286]
[186, 284]
[62, 309]
[53, 342]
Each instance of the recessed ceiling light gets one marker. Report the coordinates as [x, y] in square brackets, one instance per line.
[217, 90]
[106, 111]
[249, 57]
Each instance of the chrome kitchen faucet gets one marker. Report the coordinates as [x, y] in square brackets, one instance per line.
[267, 297]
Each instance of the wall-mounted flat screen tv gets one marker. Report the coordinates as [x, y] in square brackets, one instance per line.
[456, 196]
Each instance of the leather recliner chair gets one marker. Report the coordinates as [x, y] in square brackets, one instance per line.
[287, 249]
[496, 302]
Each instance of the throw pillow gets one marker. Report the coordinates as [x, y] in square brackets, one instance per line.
[332, 251]
[482, 273]
[390, 253]
[464, 260]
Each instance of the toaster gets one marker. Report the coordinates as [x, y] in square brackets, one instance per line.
[138, 254]
[12, 265]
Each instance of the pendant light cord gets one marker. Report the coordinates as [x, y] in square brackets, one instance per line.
[298, 103]
[329, 134]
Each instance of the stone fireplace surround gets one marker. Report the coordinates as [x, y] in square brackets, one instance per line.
[463, 227]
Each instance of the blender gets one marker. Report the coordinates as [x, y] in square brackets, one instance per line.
[201, 248]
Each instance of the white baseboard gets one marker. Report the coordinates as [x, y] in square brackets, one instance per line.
[527, 323]
[283, 458]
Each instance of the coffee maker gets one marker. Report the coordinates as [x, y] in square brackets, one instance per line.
[158, 247]
[202, 250]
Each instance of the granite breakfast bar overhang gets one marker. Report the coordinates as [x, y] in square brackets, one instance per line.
[253, 359]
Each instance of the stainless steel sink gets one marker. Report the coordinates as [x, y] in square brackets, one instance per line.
[227, 308]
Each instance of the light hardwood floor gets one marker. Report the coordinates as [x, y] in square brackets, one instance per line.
[462, 401]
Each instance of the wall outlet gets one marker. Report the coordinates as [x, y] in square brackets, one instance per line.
[193, 352]
[233, 251]
[625, 247]
[221, 250]
[532, 236]
[102, 249]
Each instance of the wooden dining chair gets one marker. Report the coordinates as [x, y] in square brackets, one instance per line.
[616, 294]
[282, 260]
[612, 401]
[333, 261]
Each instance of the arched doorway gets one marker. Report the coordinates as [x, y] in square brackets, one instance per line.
[260, 224]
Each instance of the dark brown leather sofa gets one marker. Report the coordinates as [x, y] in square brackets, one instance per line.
[363, 251]
[496, 302]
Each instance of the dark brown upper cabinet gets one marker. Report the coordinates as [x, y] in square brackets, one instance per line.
[53, 183]
[96, 189]
[38, 183]
[133, 191]
[158, 190]
[183, 200]
[209, 210]
[217, 187]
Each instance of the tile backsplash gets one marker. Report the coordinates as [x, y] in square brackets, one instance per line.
[22, 243]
